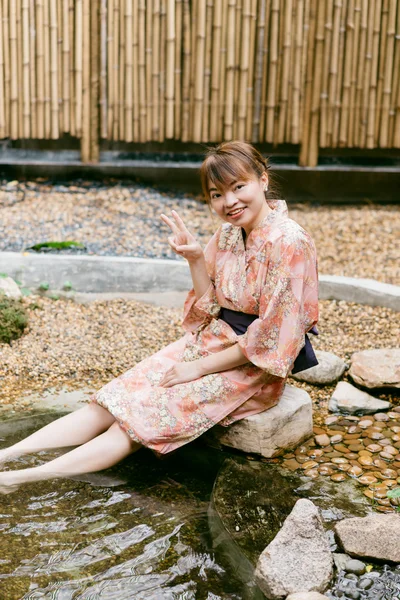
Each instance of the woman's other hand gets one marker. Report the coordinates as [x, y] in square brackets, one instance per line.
[181, 373]
[182, 241]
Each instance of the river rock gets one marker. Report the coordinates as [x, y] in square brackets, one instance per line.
[329, 369]
[9, 287]
[273, 431]
[307, 596]
[376, 368]
[374, 536]
[299, 558]
[349, 399]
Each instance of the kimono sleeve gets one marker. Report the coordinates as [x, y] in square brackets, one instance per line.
[288, 306]
[196, 312]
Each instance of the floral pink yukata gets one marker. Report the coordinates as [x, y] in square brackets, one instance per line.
[273, 276]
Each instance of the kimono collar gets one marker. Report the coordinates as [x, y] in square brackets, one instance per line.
[278, 213]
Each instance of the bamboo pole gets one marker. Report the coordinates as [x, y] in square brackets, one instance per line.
[261, 34]
[142, 70]
[298, 52]
[325, 109]
[278, 86]
[244, 71]
[163, 12]
[284, 92]
[250, 85]
[149, 67]
[32, 68]
[103, 69]
[93, 47]
[86, 117]
[333, 70]
[263, 113]
[128, 130]
[198, 85]
[54, 70]
[40, 71]
[387, 81]
[304, 64]
[383, 39]
[395, 81]
[337, 108]
[194, 4]
[26, 100]
[19, 67]
[316, 84]
[205, 136]
[7, 68]
[367, 74]
[216, 69]
[305, 140]
[72, 80]
[78, 65]
[135, 60]
[360, 72]
[230, 75]
[14, 132]
[370, 139]
[64, 75]
[287, 126]
[156, 71]
[2, 106]
[186, 71]
[396, 130]
[178, 68]
[121, 72]
[59, 13]
[111, 91]
[115, 70]
[223, 49]
[354, 63]
[239, 45]
[272, 71]
[348, 54]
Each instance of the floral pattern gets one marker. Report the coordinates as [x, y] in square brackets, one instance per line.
[274, 276]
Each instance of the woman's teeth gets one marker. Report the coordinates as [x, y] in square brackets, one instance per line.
[235, 212]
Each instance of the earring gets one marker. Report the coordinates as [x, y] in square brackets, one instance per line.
[265, 188]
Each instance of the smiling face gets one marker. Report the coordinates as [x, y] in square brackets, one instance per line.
[242, 202]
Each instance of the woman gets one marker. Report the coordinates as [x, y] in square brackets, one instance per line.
[254, 297]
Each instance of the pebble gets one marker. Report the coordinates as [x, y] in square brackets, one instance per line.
[322, 440]
[355, 566]
[338, 477]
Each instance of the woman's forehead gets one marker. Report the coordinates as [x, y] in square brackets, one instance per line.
[214, 185]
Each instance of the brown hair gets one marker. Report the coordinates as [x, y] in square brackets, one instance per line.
[234, 159]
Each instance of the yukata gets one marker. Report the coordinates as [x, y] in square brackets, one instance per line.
[273, 276]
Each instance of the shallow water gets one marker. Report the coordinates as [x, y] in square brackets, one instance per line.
[138, 531]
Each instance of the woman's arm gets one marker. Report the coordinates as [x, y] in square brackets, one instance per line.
[214, 363]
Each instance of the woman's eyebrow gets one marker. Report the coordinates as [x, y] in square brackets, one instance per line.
[215, 189]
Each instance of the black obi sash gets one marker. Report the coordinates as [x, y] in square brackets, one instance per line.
[240, 321]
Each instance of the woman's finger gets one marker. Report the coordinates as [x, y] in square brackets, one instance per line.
[170, 224]
[180, 223]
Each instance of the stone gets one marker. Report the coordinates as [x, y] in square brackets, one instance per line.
[374, 536]
[273, 431]
[349, 399]
[9, 287]
[340, 559]
[299, 558]
[376, 368]
[355, 566]
[329, 369]
[322, 440]
[307, 596]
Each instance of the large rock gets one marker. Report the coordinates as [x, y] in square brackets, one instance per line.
[349, 399]
[376, 368]
[9, 287]
[299, 558]
[374, 536]
[307, 596]
[330, 368]
[273, 431]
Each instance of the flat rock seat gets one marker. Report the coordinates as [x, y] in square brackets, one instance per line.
[270, 433]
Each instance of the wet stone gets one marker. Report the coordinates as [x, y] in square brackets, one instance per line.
[291, 464]
[365, 423]
[341, 448]
[355, 566]
[389, 474]
[365, 461]
[367, 479]
[313, 473]
[325, 470]
[336, 439]
[355, 471]
[369, 494]
[381, 417]
[322, 440]
[331, 420]
[339, 460]
[374, 448]
[337, 477]
[309, 464]
[376, 435]
[386, 456]
[355, 447]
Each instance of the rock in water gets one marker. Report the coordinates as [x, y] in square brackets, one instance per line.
[374, 536]
[329, 369]
[271, 432]
[9, 287]
[299, 558]
[376, 368]
[349, 399]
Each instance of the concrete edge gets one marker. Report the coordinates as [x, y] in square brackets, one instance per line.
[131, 275]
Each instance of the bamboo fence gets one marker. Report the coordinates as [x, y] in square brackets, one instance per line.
[311, 73]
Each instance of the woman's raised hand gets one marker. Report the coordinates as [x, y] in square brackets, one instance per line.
[182, 241]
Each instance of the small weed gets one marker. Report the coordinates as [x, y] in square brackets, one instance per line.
[13, 319]
[67, 287]
[3, 275]
[53, 297]
[44, 286]
[56, 245]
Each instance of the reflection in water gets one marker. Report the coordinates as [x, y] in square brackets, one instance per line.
[146, 539]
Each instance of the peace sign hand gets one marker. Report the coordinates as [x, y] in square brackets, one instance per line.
[182, 241]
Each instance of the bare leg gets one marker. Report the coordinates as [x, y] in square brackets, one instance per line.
[100, 453]
[73, 429]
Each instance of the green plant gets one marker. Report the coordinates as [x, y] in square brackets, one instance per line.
[44, 285]
[13, 319]
[67, 286]
[56, 245]
[53, 297]
[3, 275]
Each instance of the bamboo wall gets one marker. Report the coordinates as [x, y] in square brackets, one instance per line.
[318, 73]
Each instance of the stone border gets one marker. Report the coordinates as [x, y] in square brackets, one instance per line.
[124, 274]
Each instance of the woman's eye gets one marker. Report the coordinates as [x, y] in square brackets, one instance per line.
[240, 185]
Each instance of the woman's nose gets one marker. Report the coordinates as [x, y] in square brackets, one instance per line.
[230, 198]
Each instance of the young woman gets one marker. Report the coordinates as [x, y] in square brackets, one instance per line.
[254, 297]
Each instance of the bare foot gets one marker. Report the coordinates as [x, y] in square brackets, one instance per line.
[8, 483]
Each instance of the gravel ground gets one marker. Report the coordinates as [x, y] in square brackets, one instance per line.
[124, 219]
[73, 345]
